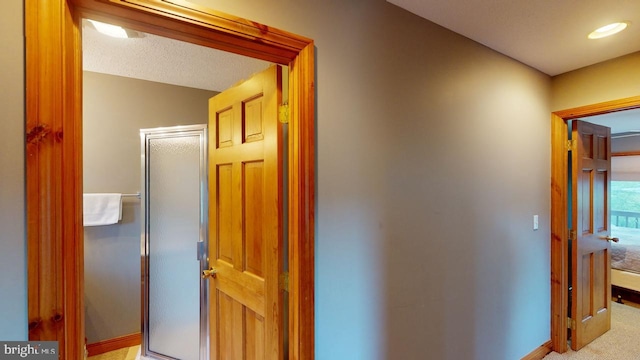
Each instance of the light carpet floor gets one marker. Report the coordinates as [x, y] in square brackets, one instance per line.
[622, 342]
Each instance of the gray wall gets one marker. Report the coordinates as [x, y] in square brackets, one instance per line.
[424, 233]
[115, 109]
[13, 253]
[424, 240]
[625, 144]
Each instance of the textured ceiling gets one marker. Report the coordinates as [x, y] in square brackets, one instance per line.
[549, 35]
[164, 60]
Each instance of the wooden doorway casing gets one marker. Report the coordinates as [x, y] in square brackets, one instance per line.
[559, 212]
[54, 150]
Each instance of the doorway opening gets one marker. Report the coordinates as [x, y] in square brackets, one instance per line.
[559, 212]
[122, 94]
[54, 161]
[625, 202]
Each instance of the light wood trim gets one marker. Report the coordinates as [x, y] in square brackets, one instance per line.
[196, 24]
[54, 171]
[72, 178]
[626, 153]
[559, 232]
[54, 176]
[600, 108]
[120, 342]
[301, 212]
[559, 213]
[224, 24]
[540, 352]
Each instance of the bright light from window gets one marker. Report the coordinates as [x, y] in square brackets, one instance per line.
[609, 30]
[108, 29]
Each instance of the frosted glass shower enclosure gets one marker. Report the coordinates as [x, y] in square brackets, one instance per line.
[174, 243]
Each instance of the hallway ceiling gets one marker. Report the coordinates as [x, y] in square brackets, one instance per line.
[548, 35]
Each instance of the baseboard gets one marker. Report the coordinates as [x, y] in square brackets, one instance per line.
[121, 342]
[540, 352]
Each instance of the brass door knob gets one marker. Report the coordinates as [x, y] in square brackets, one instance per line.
[209, 273]
[610, 238]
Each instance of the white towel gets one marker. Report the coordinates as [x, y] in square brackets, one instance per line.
[102, 209]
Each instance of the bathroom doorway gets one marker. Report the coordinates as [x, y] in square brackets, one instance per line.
[53, 30]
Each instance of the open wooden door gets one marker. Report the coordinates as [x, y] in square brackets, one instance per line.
[245, 221]
[590, 220]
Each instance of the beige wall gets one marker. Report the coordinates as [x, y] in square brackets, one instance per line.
[424, 240]
[13, 250]
[610, 80]
[115, 109]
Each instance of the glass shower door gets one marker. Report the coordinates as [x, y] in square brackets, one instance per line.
[174, 243]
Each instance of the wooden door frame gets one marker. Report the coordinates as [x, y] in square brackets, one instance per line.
[559, 211]
[54, 150]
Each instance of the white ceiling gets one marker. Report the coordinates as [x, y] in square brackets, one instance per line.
[165, 60]
[549, 35]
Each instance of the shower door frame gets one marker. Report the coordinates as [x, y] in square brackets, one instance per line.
[203, 242]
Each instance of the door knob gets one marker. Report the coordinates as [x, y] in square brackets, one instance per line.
[209, 273]
[610, 238]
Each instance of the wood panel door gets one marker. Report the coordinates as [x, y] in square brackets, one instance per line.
[590, 250]
[245, 186]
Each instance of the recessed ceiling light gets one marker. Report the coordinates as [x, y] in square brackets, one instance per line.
[609, 30]
[111, 30]
[108, 29]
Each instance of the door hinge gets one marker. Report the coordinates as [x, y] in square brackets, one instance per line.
[284, 281]
[571, 145]
[571, 324]
[572, 235]
[283, 113]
